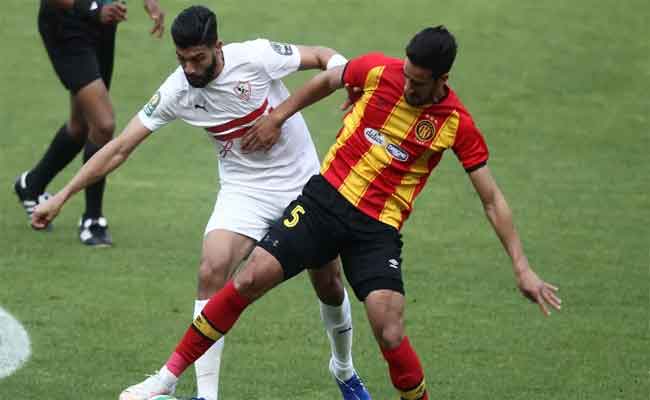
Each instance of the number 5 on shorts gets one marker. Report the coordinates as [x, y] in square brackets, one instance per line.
[295, 217]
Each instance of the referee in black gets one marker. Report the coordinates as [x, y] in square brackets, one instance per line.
[79, 36]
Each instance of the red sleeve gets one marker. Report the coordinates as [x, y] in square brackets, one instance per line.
[357, 69]
[469, 146]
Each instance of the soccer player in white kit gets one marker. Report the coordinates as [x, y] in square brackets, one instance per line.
[224, 89]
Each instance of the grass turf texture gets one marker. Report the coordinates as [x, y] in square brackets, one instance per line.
[559, 90]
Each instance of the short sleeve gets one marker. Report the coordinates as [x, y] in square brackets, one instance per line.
[469, 146]
[357, 69]
[278, 59]
[160, 110]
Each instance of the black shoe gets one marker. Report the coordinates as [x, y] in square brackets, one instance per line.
[28, 200]
[94, 232]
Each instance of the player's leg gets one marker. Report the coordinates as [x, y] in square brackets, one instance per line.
[319, 247]
[337, 317]
[239, 219]
[222, 252]
[385, 310]
[95, 103]
[372, 262]
[66, 144]
[68, 141]
[289, 244]
[261, 273]
[281, 254]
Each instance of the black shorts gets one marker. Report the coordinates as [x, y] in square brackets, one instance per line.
[321, 224]
[80, 52]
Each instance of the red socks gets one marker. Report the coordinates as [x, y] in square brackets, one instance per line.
[216, 319]
[406, 371]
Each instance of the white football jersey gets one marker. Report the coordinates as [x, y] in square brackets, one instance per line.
[248, 87]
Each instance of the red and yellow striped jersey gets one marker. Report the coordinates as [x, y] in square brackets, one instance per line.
[386, 149]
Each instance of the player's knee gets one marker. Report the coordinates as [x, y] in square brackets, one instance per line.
[213, 274]
[246, 283]
[77, 130]
[259, 275]
[329, 288]
[103, 130]
[390, 335]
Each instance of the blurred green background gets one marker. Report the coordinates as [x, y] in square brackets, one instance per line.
[560, 91]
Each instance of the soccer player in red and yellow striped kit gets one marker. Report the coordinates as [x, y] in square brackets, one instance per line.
[401, 122]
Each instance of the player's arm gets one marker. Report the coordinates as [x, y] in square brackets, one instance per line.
[157, 16]
[500, 216]
[269, 126]
[325, 58]
[317, 88]
[107, 159]
[319, 57]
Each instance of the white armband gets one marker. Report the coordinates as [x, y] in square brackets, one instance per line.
[336, 61]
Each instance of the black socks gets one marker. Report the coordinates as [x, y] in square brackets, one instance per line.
[94, 192]
[63, 149]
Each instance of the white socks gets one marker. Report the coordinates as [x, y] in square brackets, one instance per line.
[167, 377]
[207, 366]
[338, 324]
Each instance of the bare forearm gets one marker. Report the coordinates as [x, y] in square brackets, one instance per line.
[500, 216]
[323, 55]
[109, 157]
[319, 87]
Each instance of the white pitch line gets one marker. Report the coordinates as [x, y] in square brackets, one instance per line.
[15, 347]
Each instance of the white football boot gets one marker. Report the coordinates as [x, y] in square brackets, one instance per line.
[150, 387]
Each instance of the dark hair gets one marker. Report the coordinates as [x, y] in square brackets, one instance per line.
[434, 49]
[195, 26]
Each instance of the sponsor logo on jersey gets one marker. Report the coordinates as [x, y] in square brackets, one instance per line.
[397, 152]
[282, 49]
[424, 130]
[150, 107]
[374, 137]
[243, 90]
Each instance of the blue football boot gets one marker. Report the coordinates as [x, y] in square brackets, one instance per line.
[353, 388]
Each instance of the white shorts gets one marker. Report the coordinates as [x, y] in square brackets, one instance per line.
[248, 213]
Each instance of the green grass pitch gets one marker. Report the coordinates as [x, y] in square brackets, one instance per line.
[560, 91]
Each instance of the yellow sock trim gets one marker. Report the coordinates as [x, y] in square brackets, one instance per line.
[415, 393]
[203, 326]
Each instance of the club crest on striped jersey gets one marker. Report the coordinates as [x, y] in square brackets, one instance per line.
[397, 152]
[374, 137]
[243, 90]
[425, 130]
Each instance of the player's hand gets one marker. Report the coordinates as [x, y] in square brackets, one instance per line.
[538, 291]
[46, 212]
[263, 135]
[354, 92]
[157, 16]
[113, 13]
